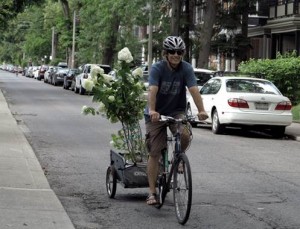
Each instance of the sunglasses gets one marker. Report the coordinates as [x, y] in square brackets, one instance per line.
[172, 52]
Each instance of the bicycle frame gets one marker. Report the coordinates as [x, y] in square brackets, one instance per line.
[178, 180]
[176, 138]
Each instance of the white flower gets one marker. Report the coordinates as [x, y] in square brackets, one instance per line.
[88, 85]
[138, 72]
[125, 55]
[139, 85]
[101, 108]
[95, 71]
[111, 98]
[112, 143]
[107, 78]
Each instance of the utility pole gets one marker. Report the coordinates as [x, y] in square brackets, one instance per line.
[150, 37]
[53, 50]
[73, 42]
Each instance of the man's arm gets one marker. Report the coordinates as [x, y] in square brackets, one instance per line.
[194, 91]
[152, 92]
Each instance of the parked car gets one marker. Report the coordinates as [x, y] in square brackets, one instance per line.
[52, 74]
[70, 77]
[42, 71]
[36, 72]
[203, 75]
[62, 65]
[58, 76]
[244, 102]
[47, 73]
[31, 71]
[79, 79]
[28, 70]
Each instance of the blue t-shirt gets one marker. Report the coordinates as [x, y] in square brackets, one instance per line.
[171, 95]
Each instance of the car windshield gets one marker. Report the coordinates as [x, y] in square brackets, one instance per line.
[203, 77]
[251, 86]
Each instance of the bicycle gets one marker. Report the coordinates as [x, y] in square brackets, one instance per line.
[176, 173]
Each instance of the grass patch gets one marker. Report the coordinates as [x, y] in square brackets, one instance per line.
[296, 112]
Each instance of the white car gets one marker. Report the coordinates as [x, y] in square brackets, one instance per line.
[86, 74]
[36, 72]
[47, 73]
[244, 101]
[32, 70]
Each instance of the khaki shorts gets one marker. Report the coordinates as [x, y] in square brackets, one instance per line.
[156, 136]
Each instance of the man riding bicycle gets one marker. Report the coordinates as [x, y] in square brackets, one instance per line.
[168, 80]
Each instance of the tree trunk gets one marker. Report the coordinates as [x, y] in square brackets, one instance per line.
[111, 42]
[66, 10]
[187, 30]
[175, 20]
[209, 18]
[244, 50]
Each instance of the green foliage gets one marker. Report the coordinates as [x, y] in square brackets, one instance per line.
[10, 8]
[284, 72]
[296, 113]
[102, 28]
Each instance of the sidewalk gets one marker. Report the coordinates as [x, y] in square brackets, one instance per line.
[293, 131]
[26, 199]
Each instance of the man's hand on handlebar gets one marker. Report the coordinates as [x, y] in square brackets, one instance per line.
[202, 115]
[155, 116]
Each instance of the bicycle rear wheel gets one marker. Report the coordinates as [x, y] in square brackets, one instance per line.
[111, 181]
[182, 188]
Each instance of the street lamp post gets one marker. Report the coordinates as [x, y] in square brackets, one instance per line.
[150, 37]
[53, 51]
[73, 42]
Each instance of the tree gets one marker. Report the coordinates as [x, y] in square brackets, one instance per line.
[10, 8]
[108, 26]
[232, 33]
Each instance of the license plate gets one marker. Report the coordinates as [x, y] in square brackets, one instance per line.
[261, 106]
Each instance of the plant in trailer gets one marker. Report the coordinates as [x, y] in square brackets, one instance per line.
[120, 99]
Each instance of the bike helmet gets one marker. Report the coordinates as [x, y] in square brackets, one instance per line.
[174, 43]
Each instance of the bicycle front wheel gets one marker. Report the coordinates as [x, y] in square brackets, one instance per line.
[182, 188]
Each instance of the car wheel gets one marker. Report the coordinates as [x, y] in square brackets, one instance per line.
[81, 90]
[76, 90]
[277, 131]
[217, 128]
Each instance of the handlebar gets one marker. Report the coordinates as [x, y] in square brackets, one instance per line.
[190, 118]
[164, 118]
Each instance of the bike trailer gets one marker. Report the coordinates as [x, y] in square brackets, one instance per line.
[130, 175]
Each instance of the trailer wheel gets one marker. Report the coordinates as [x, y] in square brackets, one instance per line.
[111, 181]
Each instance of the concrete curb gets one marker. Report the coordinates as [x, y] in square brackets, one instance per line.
[26, 199]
